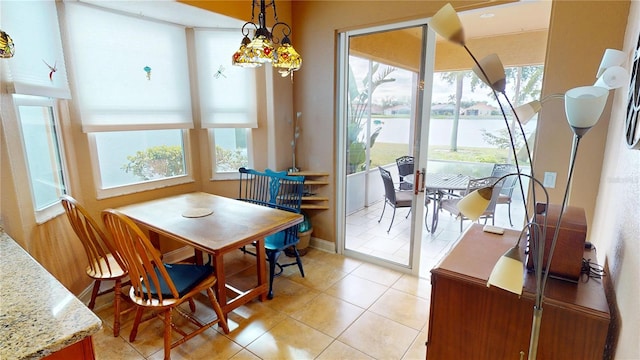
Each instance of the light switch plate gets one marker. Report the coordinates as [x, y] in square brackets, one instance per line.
[549, 180]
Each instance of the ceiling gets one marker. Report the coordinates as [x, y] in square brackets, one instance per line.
[521, 16]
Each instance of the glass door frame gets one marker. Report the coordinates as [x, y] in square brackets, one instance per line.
[419, 150]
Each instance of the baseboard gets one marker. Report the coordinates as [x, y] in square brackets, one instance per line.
[85, 295]
[323, 245]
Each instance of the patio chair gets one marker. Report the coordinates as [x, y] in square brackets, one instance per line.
[510, 182]
[279, 191]
[393, 197]
[405, 167]
[451, 205]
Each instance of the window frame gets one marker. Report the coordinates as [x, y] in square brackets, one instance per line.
[55, 209]
[114, 191]
[228, 175]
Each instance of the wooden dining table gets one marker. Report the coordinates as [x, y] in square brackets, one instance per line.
[215, 225]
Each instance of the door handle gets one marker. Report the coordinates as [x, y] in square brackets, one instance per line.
[416, 181]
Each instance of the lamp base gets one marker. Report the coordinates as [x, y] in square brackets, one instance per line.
[567, 258]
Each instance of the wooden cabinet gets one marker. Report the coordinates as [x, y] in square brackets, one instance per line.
[82, 350]
[313, 183]
[468, 320]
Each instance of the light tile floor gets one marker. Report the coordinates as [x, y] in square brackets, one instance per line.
[343, 309]
[366, 235]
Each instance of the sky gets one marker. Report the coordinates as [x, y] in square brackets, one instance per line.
[401, 87]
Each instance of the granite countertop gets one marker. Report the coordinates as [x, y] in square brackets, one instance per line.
[38, 315]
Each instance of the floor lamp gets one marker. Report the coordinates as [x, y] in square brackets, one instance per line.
[583, 107]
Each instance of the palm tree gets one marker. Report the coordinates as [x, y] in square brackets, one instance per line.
[359, 104]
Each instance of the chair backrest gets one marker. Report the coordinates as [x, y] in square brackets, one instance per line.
[95, 242]
[405, 165]
[143, 261]
[389, 190]
[274, 189]
[500, 170]
[475, 184]
[271, 188]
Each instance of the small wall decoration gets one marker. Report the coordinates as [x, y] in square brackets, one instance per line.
[52, 69]
[148, 71]
[219, 72]
[632, 124]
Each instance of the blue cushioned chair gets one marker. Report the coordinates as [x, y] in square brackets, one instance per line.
[157, 286]
[280, 191]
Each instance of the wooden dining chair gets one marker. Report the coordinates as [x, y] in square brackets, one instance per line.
[160, 287]
[105, 264]
[451, 204]
[395, 198]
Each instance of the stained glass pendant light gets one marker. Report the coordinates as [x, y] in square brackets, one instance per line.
[6, 45]
[265, 47]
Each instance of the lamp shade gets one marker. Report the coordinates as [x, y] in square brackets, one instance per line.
[610, 58]
[494, 69]
[446, 23]
[508, 272]
[527, 111]
[583, 105]
[6, 45]
[612, 78]
[475, 203]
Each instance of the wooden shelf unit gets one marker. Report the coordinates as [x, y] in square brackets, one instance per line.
[312, 181]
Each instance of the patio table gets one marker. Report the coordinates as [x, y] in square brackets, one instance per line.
[438, 185]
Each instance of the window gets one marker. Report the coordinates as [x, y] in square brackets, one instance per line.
[130, 157]
[42, 148]
[227, 100]
[231, 150]
[133, 96]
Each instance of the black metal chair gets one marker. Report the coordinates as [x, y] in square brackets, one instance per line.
[451, 205]
[508, 186]
[280, 191]
[393, 197]
[405, 167]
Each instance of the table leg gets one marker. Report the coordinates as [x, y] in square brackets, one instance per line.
[154, 237]
[221, 287]
[261, 264]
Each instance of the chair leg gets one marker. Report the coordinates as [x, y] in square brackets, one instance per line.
[116, 308]
[295, 251]
[383, 208]
[136, 322]
[392, 217]
[94, 294]
[167, 334]
[192, 305]
[426, 213]
[461, 220]
[216, 307]
[408, 213]
[509, 212]
[272, 258]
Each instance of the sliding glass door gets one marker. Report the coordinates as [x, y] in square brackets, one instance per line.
[380, 120]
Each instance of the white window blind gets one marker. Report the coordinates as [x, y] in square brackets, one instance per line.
[227, 93]
[34, 28]
[114, 92]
